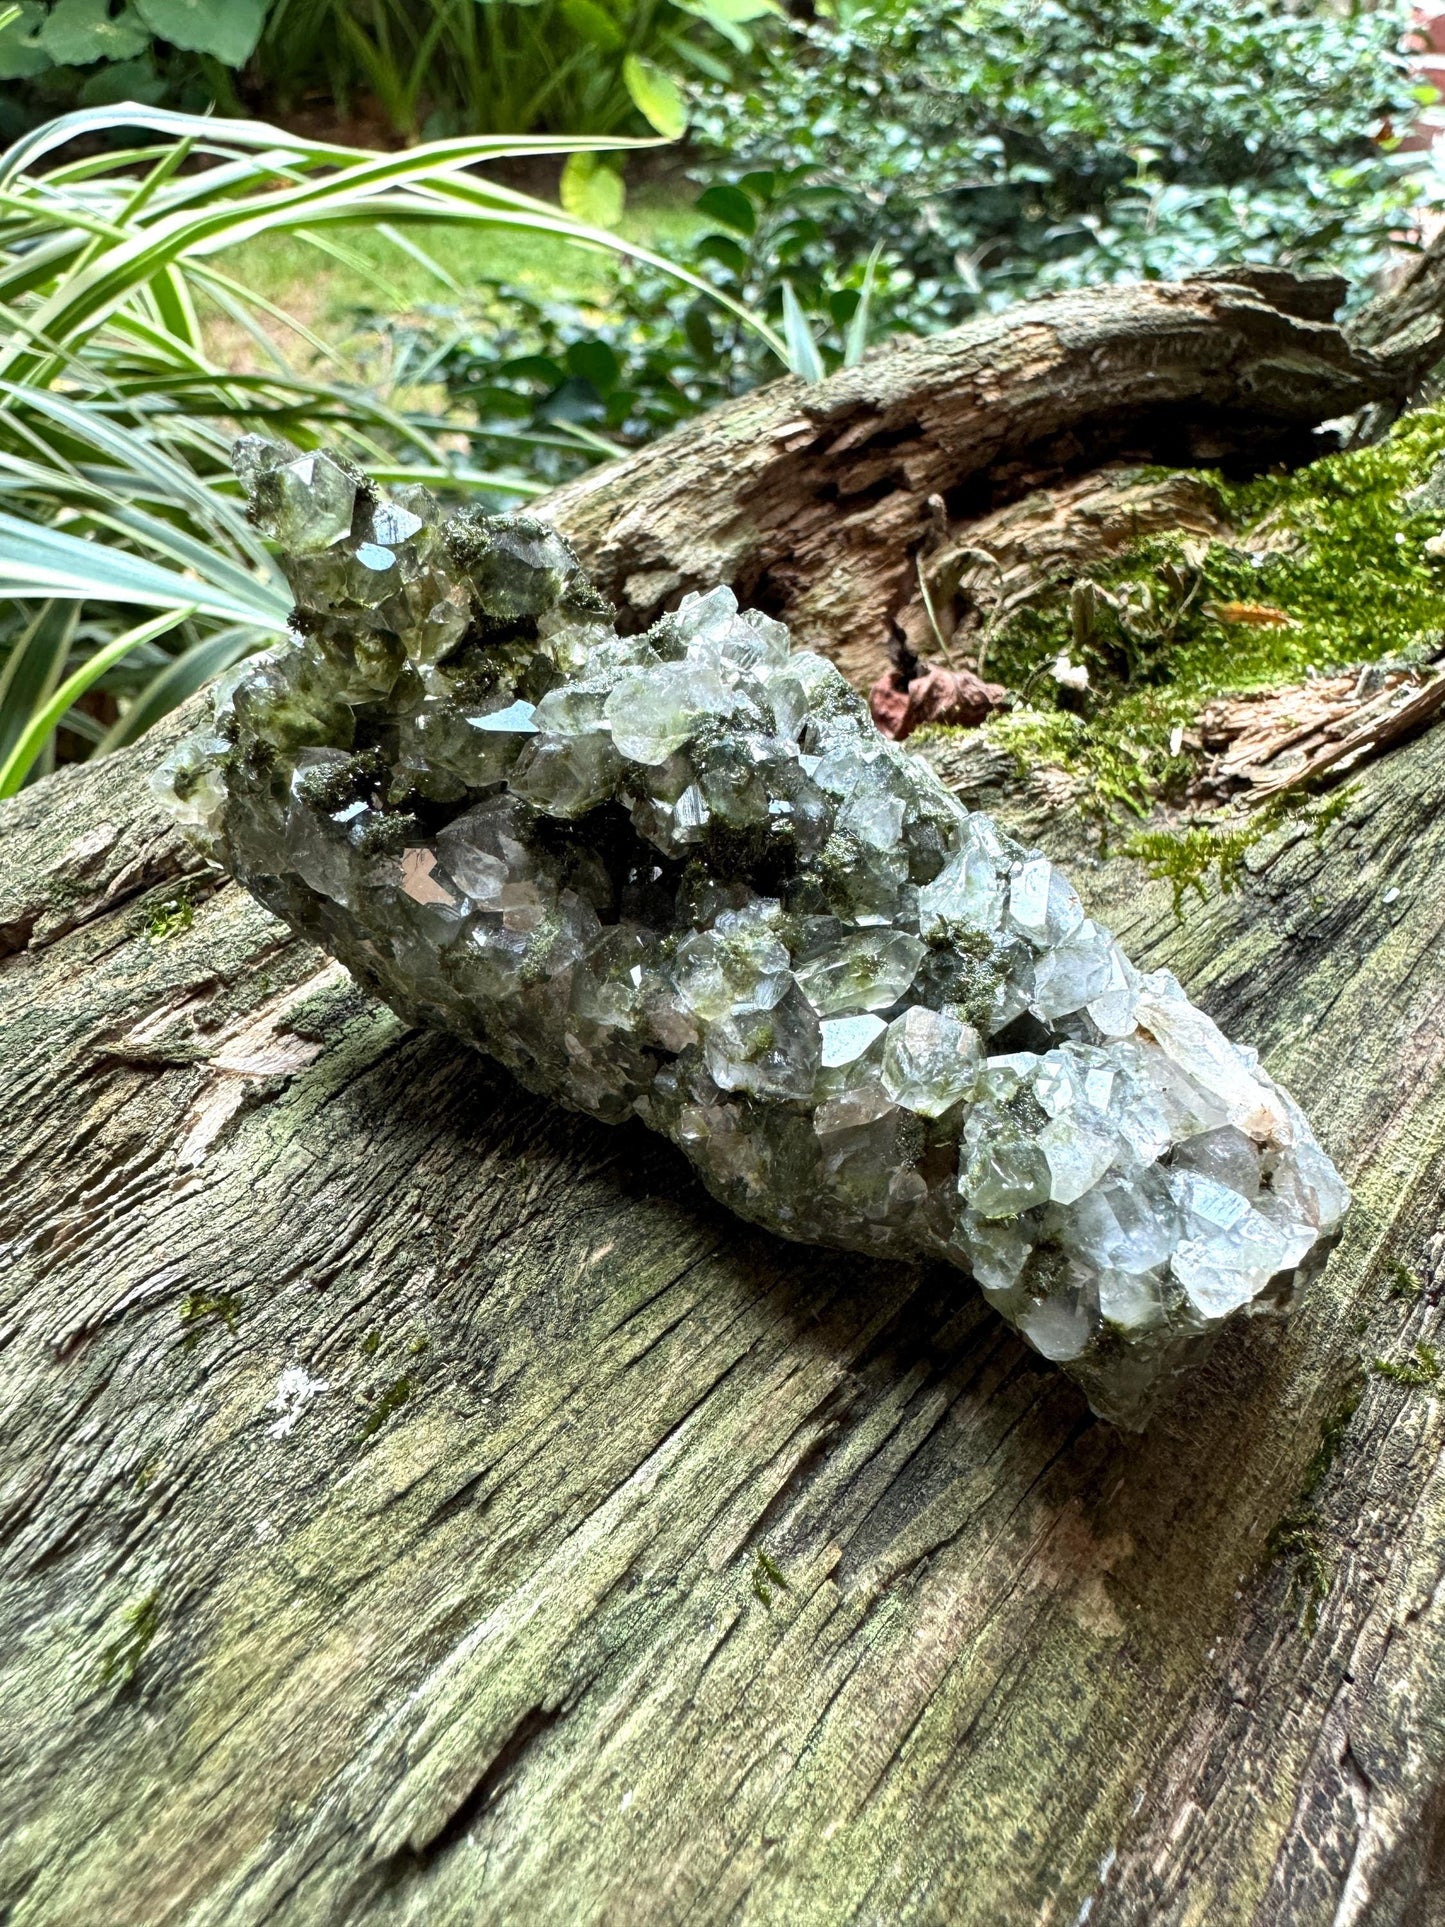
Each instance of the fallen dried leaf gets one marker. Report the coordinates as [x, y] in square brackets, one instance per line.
[1258, 615]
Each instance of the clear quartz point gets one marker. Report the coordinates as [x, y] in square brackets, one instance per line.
[679, 876]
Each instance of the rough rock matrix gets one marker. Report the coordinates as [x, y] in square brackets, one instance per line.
[680, 876]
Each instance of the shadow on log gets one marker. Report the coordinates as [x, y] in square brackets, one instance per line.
[423, 1506]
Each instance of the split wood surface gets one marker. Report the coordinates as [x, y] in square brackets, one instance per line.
[817, 503]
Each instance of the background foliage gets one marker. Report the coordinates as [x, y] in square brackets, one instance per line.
[905, 167]
[429, 67]
[1000, 149]
[852, 173]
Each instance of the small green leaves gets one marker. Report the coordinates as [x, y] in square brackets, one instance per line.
[592, 190]
[80, 31]
[656, 96]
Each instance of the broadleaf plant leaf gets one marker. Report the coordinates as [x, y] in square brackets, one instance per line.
[594, 24]
[21, 53]
[78, 32]
[728, 204]
[656, 96]
[226, 29]
[592, 191]
[730, 18]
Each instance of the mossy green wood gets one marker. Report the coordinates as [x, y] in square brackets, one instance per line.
[632, 1566]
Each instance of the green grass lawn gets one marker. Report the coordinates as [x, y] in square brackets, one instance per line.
[325, 289]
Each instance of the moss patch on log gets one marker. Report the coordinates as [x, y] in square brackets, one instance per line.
[1326, 568]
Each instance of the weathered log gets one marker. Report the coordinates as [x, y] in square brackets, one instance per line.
[632, 1566]
[814, 502]
[422, 1505]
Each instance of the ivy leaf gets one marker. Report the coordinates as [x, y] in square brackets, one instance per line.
[226, 29]
[656, 96]
[80, 31]
[592, 191]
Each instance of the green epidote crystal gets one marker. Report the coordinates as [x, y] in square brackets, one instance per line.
[679, 876]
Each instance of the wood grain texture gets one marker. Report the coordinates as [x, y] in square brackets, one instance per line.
[487, 1636]
[813, 502]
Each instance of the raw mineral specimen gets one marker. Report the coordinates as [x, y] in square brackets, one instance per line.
[680, 876]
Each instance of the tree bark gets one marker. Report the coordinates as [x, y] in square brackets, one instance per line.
[815, 501]
[609, 1561]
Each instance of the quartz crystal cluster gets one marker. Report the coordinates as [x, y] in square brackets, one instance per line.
[679, 876]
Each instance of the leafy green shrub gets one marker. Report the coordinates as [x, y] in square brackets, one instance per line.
[101, 52]
[936, 161]
[1000, 150]
[115, 421]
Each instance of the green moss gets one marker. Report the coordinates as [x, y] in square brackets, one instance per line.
[390, 1401]
[1332, 1434]
[1299, 1536]
[371, 1344]
[203, 1311]
[766, 1574]
[1298, 1539]
[1401, 1281]
[140, 1623]
[169, 915]
[1419, 1371]
[1124, 765]
[1342, 557]
[1330, 809]
[1187, 857]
